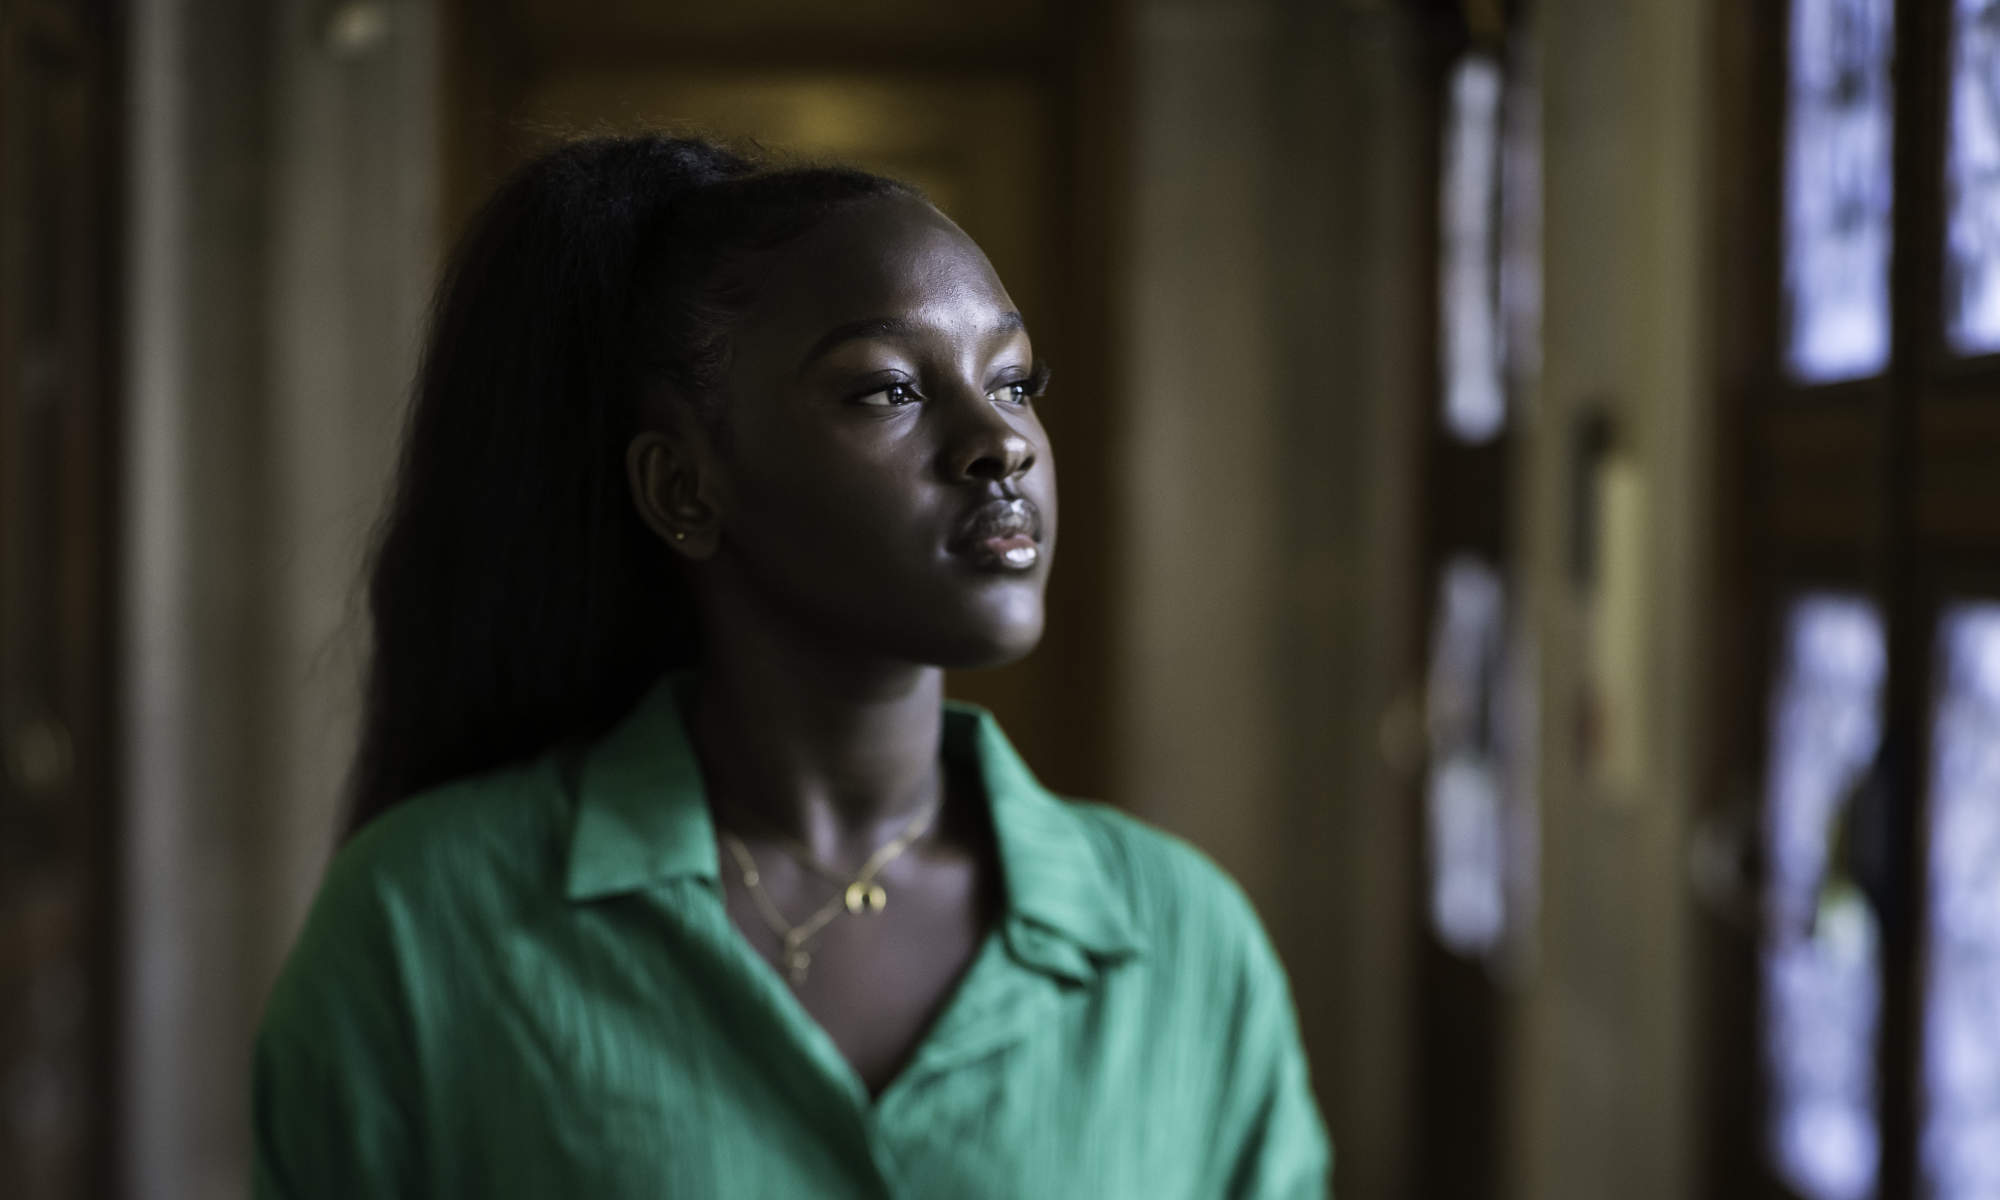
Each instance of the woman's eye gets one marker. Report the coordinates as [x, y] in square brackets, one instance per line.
[1022, 391]
[889, 397]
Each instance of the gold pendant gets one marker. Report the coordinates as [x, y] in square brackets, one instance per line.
[868, 896]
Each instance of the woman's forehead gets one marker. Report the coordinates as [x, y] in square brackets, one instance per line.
[891, 258]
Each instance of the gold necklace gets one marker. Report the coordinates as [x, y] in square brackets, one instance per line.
[861, 894]
[858, 890]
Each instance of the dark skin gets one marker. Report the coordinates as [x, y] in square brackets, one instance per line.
[879, 391]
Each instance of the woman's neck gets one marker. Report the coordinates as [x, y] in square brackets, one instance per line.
[834, 753]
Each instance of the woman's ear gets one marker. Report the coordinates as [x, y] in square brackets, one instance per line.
[676, 484]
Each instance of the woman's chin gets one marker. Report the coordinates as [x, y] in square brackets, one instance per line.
[995, 645]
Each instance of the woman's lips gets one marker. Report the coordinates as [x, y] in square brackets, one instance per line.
[1002, 535]
[1018, 551]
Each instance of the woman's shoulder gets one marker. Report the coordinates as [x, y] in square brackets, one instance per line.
[496, 824]
[1222, 1008]
[404, 915]
[1181, 899]
[444, 858]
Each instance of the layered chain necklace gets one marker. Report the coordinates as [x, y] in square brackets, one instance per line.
[858, 893]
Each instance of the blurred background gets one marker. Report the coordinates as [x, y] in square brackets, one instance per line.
[1531, 481]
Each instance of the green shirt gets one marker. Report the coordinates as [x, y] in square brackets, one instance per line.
[525, 984]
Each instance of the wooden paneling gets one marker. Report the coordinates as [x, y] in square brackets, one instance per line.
[1822, 478]
[779, 24]
[1958, 500]
[57, 231]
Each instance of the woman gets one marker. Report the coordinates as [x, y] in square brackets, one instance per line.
[674, 873]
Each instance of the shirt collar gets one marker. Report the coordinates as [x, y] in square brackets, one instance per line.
[642, 818]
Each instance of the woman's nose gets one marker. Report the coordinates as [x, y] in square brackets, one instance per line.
[985, 447]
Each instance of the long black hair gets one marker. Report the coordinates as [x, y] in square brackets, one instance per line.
[516, 599]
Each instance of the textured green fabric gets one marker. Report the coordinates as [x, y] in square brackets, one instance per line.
[525, 984]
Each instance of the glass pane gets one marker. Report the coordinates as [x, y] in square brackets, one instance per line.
[1972, 181]
[1837, 189]
[1466, 787]
[1961, 1137]
[1475, 402]
[1821, 957]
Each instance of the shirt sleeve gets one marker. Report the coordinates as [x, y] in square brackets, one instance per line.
[333, 1098]
[1281, 1149]
[1277, 1143]
[1262, 1133]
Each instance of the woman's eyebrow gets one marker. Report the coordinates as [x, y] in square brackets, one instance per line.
[884, 327]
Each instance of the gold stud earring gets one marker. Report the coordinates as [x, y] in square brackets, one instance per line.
[679, 536]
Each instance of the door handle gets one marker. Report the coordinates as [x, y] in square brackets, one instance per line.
[1726, 860]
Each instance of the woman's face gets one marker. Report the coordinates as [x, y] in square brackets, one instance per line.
[886, 480]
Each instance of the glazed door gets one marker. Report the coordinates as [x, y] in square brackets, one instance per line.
[1475, 806]
[1849, 865]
